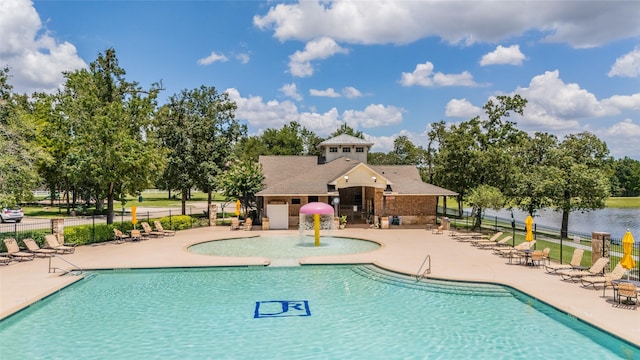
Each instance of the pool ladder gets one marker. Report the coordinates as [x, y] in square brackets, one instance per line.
[427, 270]
[75, 271]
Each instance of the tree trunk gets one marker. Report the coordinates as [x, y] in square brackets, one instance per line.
[110, 205]
[184, 201]
[565, 224]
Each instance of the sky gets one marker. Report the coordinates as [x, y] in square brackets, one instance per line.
[386, 68]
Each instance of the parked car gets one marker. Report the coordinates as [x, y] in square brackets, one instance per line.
[14, 213]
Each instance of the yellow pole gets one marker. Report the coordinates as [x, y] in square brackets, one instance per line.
[316, 228]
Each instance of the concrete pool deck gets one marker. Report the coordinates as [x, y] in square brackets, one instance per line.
[403, 250]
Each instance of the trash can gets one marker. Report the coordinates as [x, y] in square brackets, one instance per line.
[140, 198]
[446, 223]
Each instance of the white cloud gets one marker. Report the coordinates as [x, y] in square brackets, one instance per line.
[262, 115]
[374, 115]
[401, 22]
[627, 65]
[622, 138]
[291, 90]
[351, 93]
[503, 55]
[213, 57]
[35, 59]
[322, 48]
[462, 108]
[423, 75]
[623, 102]
[243, 58]
[328, 92]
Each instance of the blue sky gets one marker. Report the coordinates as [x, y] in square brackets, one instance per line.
[386, 68]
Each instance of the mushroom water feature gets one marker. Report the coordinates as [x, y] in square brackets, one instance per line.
[316, 209]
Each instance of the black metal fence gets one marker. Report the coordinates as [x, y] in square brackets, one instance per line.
[562, 249]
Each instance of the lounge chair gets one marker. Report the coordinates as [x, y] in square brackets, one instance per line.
[51, 242]
[119, 236]
[628, 291]
[508, 251]
[604, 280]
[150, 232]
[14, 250]
[539, 257]
[491, 240]
[5, 260]
[158, 227]
[595, 269]
[576, 259]
[235, 223]
[136, 235]
[34, 248]
[493, 244]
[247, 224]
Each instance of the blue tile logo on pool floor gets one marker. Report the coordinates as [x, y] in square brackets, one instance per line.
[282, 308]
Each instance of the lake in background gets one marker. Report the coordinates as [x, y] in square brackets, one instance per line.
[614, 221]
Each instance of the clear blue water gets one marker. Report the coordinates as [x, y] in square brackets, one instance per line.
[286, 249]
[332, 312]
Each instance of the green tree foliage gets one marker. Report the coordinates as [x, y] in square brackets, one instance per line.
[199, 129]
[346, 129]
[626, 177]
[583, 183]
[242, 181]
[291, 139]
[20, 154]
[484, 197]
[478, 152]
[115, 150]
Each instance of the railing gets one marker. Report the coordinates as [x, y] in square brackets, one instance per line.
[420, 274]
[75, 271]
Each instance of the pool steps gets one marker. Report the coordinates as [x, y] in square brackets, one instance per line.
[441, 286]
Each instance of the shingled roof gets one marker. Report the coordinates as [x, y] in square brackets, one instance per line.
[302, 175]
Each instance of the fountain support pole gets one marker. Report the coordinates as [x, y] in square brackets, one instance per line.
[316, 229]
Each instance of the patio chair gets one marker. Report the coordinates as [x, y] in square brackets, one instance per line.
[628, 291]
[158, 227]
[493, 244]
[491, 240]
[119, 237]
[595, 269]
[247, 224]
[605, 280]
[539, 257]
[136, 235]
[148, 231]
[34, 248]
[235, 223]
[14, 250]
[509, 251]
[438, 230]
[576, 259]
[51, 242]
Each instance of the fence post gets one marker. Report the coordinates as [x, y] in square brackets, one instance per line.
[170, 223]
[93, 228]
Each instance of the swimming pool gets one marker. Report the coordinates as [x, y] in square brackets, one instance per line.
[284, 249]
[310, 312]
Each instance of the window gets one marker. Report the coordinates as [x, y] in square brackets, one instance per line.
[359, 149]
[313, 199]
[295, 201]
[333, 149]
[346, 149]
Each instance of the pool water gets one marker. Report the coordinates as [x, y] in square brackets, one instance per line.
[286, 249]
[311, 312]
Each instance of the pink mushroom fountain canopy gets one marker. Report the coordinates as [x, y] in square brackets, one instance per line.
[316, 208]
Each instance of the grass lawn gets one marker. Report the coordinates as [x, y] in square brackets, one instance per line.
[612, 202]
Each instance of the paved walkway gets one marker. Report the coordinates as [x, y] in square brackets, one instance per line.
[403, 250]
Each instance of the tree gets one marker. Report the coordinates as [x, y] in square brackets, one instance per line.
[583, 183]
[18, 175]
[285, 141]
[626, 174]
[242, 181]
[115, 147]
[484, 197]
[346, 129]
[199, 129]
